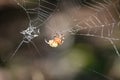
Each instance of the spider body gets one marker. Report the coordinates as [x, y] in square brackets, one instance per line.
[57, 40]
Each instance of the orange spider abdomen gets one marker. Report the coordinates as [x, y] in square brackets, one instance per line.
[58, 40]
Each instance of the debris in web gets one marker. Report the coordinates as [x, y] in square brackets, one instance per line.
[30, 33]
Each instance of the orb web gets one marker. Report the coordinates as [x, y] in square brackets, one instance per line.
[102, 24]
[37, 13]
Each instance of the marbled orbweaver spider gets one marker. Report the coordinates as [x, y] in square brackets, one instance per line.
[57, 40]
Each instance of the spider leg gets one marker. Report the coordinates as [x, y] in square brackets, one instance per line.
[46, 41]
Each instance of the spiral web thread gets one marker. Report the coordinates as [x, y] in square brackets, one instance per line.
[101, 24]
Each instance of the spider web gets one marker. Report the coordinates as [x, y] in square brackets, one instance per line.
[38, 12]
[103, 23]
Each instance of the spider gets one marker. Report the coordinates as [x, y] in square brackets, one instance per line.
[57, 40]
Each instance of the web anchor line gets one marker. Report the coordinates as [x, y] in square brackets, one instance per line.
[104, 76]
[23, 41]
[114, 46]
[16, 50]
[107, 38]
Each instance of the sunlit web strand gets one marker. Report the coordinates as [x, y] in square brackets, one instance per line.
[107, 38]
[106, 77]
[99, 11]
